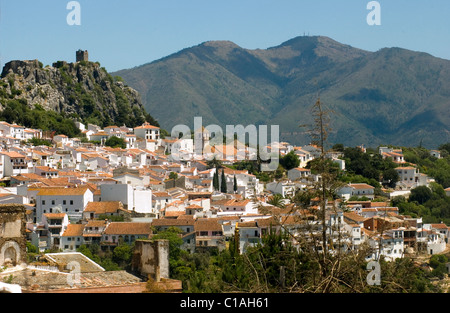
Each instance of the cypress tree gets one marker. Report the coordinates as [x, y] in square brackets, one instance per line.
[216, 180]
[223, 186]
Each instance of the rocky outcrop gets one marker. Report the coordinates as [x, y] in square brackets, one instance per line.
[82, 90]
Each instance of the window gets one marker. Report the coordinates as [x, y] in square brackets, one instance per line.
[71, 202]
[43, 202]
[64, 202]
[53, 202]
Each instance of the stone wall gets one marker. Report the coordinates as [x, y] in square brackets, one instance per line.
[151, 259]
[12, 234]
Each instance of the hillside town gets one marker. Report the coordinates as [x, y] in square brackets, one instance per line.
[75, 191]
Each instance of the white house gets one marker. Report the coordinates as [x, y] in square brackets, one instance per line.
[410, 177]
[434, 239]
[147, 131]
[298, 173]
[133, 199]
[392, 245]
[12, 130]
[48, 232]
[61, 140]
[236, 207]
[72, 238]
[133, 179]
[143, 201]
[249, 235]
[358, 190]
[284, 188]
[435, 153]
[71, 201]
[14, 163]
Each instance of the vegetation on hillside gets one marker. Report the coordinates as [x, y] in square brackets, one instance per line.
[18, 111]
[90, 95]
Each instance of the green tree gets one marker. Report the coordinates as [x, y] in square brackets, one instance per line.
[290, 161]
[391, 177]
[277, 200]
[216, 183]
[338, 147]
[115, 142]
[420, 194]
[223, 184]
[173, 234]
[122, 254]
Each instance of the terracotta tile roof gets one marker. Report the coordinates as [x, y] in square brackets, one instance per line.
[300, 169]
[104, 207]
[246, 225]
[290, 220]
[174, 213]
[27, 177]
[353, 217]
[361, 186]
[267, 222]
[120, 228]
[186, 217]
[161, 194]
[13, 154]
[73, 230]
[55, 215]
[208, 224]
[234, 202]
[63, 191]
[96, 223]
[46, 169]
[172, 222]
[147, 126]
[439, 226]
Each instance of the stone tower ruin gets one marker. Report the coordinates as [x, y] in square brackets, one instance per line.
[82, 56]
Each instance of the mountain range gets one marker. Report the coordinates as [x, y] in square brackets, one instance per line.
[391, 96]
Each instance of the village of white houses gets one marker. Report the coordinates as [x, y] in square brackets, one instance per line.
[69, 195]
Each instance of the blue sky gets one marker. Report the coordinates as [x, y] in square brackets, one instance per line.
[123, 34]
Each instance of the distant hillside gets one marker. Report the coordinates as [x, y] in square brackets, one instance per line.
[80, 91]
[392, 96]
